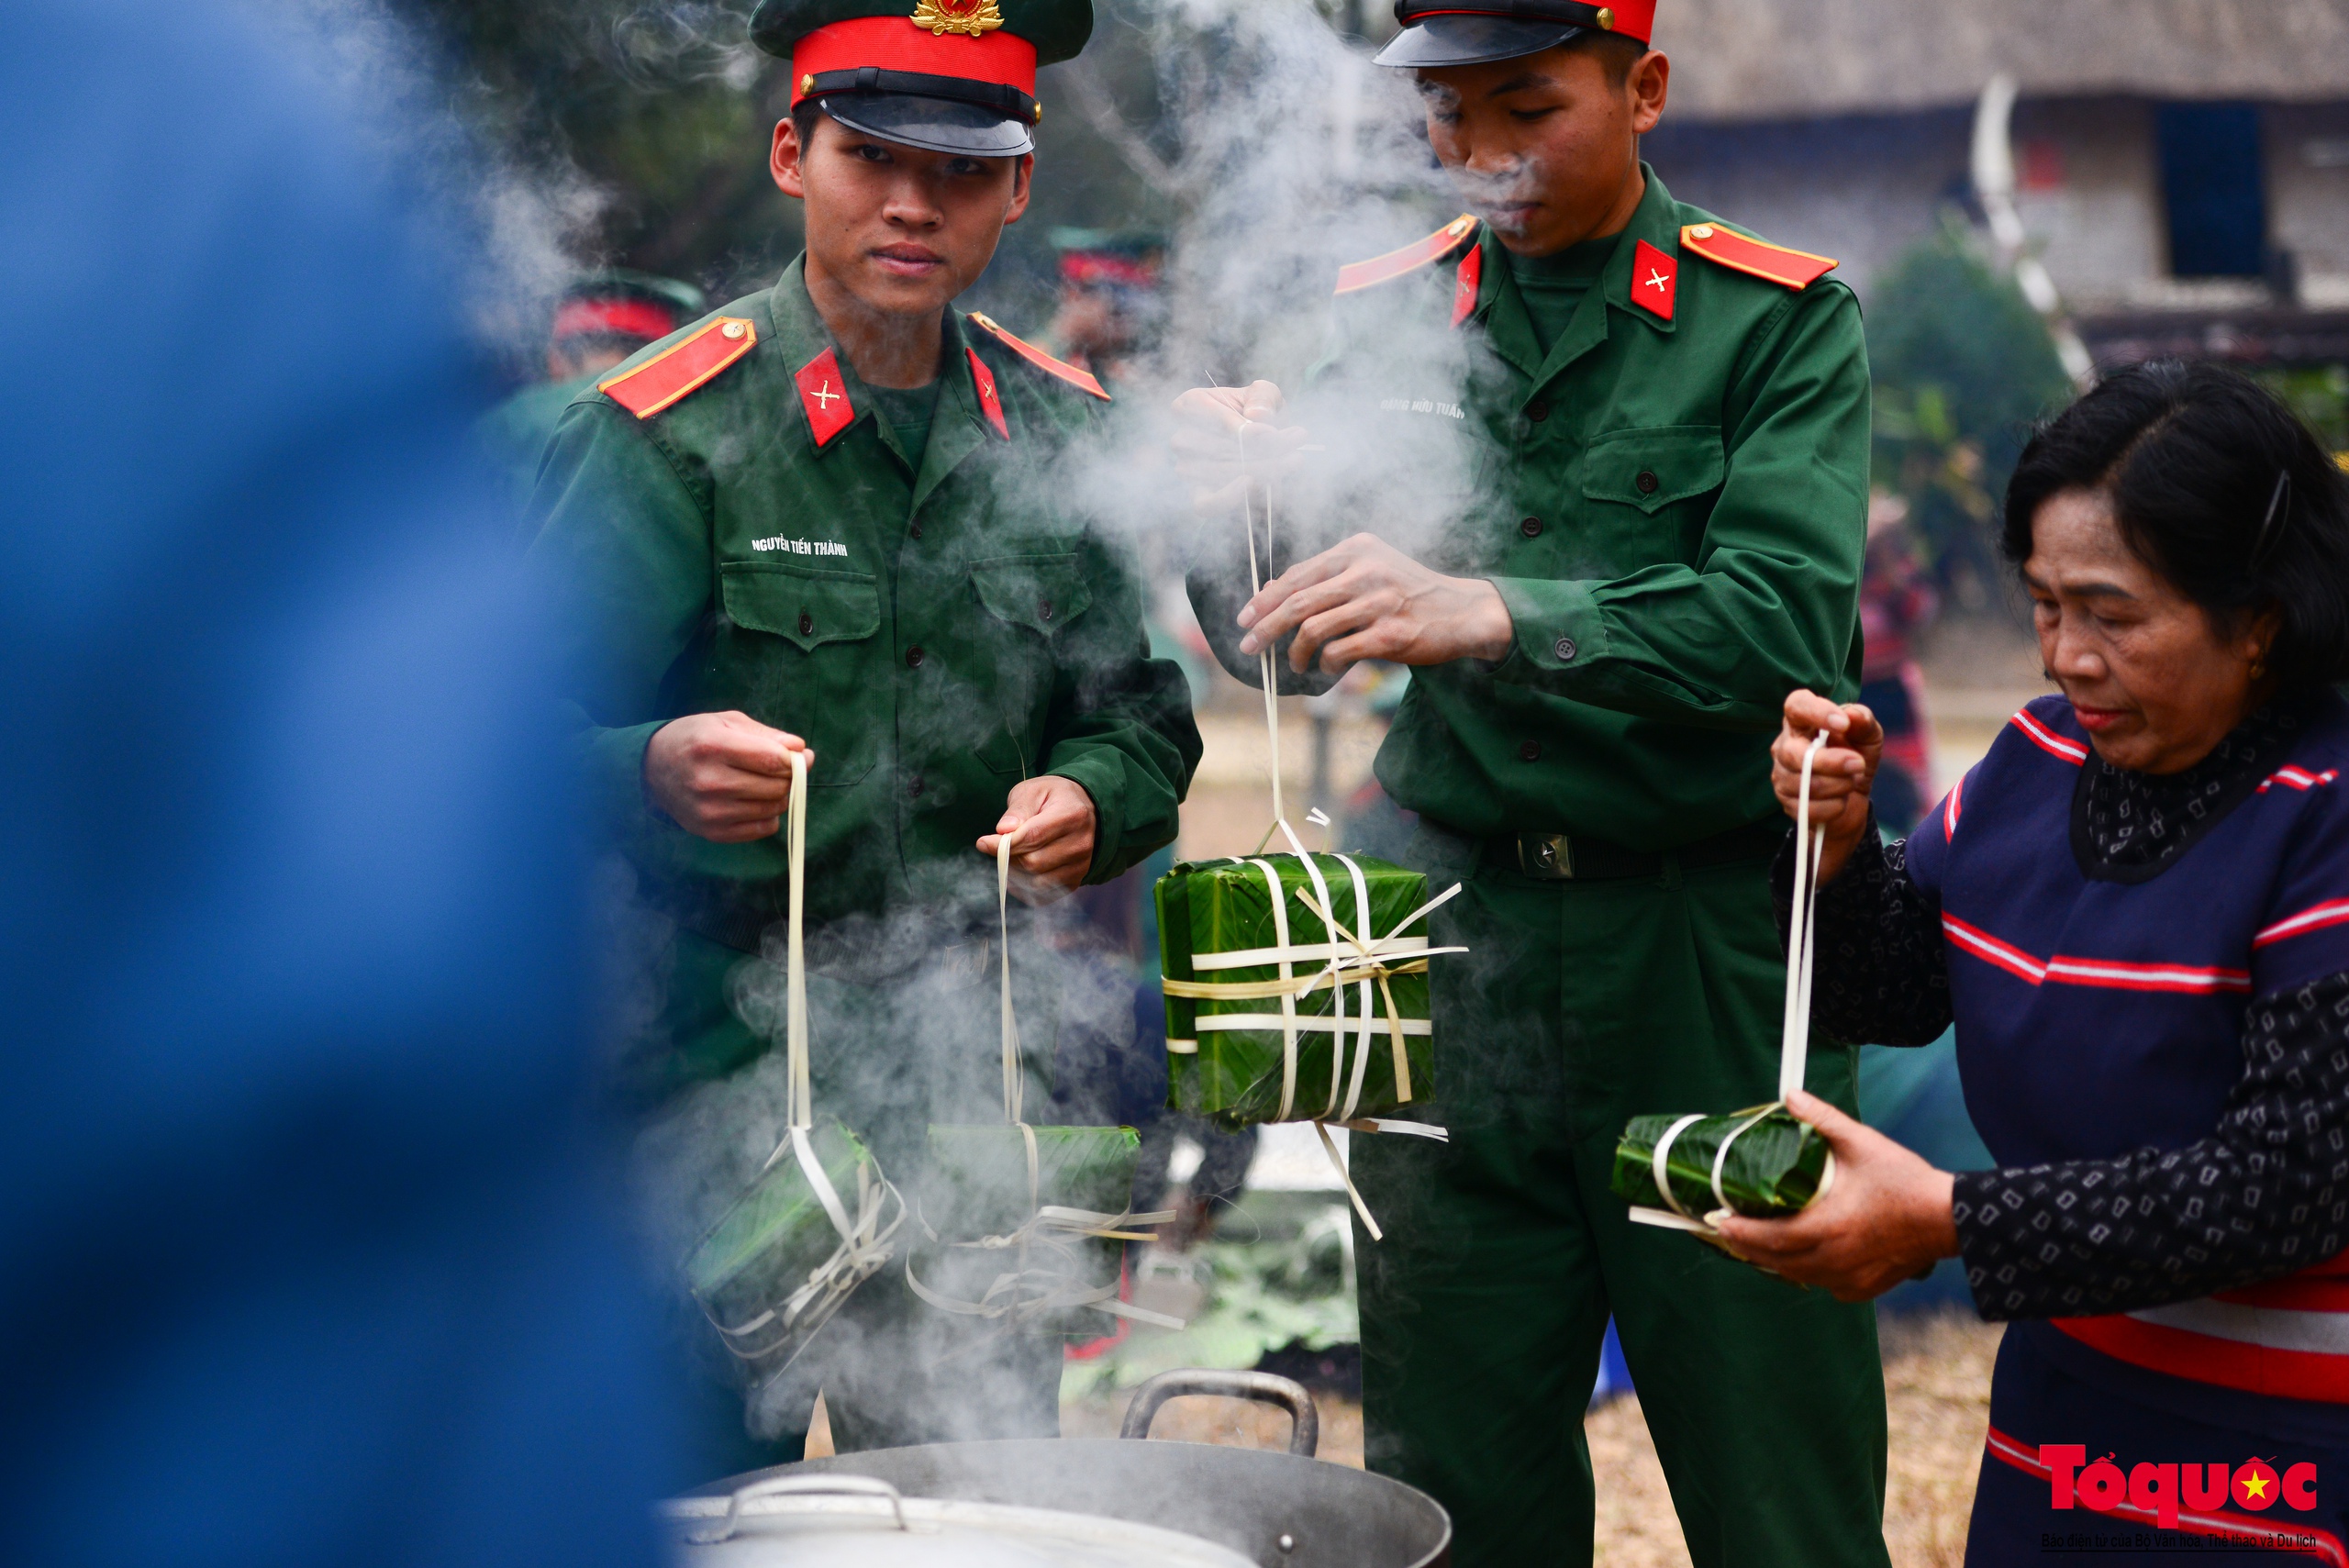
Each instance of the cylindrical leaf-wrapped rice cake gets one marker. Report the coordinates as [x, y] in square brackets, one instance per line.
[1775, 1165]
[993, 1249]
[762, 1251]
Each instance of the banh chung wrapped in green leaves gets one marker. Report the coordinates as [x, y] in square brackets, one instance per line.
[1225, 928]
[1775, 1167]
[1761, 1162]
[775, 1266]
[994, 1244]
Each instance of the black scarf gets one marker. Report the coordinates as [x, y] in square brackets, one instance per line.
[2128, 826]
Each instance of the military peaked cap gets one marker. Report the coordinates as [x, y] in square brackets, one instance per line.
[947, 75]
[1471, 32]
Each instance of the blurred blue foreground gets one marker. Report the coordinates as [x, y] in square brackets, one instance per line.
[308, 1253]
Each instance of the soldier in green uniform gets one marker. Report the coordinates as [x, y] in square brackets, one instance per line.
[600, 320]
[825, 519]
[1652, 433]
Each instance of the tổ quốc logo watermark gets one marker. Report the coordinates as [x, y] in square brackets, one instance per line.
[2074, 1481]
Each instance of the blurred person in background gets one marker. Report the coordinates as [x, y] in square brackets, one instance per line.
[1897, 602]
[312, 1253]
[1639, 438]
[2135, 910]
[824, 521]
[600, 320]
[1110, 307]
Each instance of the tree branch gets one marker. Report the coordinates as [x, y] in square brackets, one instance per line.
[1094, 106]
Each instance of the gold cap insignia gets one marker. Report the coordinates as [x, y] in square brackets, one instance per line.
[1606, 19]
[973, 19]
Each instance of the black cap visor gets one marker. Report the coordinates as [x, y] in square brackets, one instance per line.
[934, 125]
[1470, 40]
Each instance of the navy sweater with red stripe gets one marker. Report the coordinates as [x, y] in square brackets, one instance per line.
[2151, 996]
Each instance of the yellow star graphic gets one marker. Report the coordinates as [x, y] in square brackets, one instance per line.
[2255, 1487]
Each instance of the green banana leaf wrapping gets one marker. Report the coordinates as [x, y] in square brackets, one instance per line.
[1234, 1074]
[765, 1246]
[977, 1188]
[1775, 1167]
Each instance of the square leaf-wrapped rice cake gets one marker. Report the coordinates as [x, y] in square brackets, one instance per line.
[1216, 926]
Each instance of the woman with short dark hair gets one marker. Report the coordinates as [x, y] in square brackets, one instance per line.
[2135, 910]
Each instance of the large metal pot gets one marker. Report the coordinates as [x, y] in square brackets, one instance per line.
[1276, 1510]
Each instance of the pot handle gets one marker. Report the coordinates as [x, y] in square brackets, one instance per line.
[801, 1485]
[1304, 1419]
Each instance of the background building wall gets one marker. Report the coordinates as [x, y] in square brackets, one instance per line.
[1861, 188]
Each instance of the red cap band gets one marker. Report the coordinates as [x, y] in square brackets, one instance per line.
[1093, 267]
[614, 317]
[895, 43]
[1634, 19]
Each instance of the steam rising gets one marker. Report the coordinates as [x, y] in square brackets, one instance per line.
[523, 219]
[1286, 153]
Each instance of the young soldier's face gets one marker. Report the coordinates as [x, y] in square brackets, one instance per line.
[1543, 147]
[903, 229]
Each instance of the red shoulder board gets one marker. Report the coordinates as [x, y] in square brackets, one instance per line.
[1464, 283]
[1773, 263]
[1041, 360]
[989, 403]
[1356, 275]
[644, 390]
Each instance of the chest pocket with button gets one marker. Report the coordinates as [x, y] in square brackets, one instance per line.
[1651, 482]
[1031, 602]
[797, 650]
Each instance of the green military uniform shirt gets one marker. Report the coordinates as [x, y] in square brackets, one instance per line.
[936, 621]
[1674, 510]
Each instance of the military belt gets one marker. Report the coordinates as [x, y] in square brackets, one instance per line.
[1578, 857]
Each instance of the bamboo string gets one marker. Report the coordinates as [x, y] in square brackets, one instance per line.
[1265, 665]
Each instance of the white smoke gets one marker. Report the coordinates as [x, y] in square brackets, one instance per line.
[523, 221]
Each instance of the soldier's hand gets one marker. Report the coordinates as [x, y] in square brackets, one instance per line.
[1887, 1218]
[1840, 776]
[722, 776]
[1366, 599]
[1227, 436]
[1055, 820]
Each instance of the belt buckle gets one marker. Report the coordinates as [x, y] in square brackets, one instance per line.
[1550, 856]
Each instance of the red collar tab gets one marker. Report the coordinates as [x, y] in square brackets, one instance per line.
[1757, 257]
[1465, 282]
[1043, 362]
[645, 390]
[1655, 279]
[824, 395]
[1635, 19]
[1357, 275]
[904, 43]
[990, 405]
[613, 319]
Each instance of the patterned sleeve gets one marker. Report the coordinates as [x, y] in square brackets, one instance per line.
[2265, 1194]
[1882, 975]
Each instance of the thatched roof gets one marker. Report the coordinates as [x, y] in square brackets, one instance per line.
[1735, 60]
